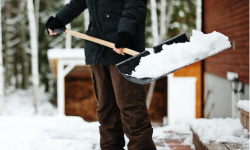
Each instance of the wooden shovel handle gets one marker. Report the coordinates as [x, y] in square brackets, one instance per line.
[99, 41]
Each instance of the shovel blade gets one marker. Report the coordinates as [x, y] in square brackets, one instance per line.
[126, 67]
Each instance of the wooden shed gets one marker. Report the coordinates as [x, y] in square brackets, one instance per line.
[75, 93]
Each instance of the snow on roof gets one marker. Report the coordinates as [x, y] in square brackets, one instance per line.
[244, 104]
[66, 53]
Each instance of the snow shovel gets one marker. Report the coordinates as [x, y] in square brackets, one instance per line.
[127, 66]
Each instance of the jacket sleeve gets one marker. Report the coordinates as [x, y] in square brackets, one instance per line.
[71, 11]
[134, 12]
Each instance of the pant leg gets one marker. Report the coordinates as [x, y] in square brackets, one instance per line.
[130, 99]
[108, 113]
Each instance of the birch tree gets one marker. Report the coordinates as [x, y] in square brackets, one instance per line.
[159, 37]
[34, 47]
[154, 22]
[198, 15]
[1, 65]
[37, 6]
[165, 18]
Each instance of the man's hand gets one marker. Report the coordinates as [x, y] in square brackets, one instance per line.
[125, 40]
[119, 51]
[53, 23]
[51, 32]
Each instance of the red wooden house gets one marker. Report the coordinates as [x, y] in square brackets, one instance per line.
[231, 18]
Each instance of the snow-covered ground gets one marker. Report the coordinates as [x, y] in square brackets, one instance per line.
[23, 129]
[20, 103]
[48, 133]
[179, 132]
[66, 133]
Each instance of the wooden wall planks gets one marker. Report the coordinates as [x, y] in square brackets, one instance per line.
[232, 19]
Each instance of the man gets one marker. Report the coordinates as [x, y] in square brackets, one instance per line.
[121, 103]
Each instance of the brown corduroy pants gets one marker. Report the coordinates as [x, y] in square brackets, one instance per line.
[121, 108]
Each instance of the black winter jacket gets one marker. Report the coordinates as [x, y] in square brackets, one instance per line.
[108, 18]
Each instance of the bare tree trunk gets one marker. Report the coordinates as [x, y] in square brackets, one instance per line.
[150, 94]
[68, 36]
[24, 56]
[34, 47]
[165, 18]
[154, 22]
[198, 14]
[169, 16]
[37, 7]
[1, 65]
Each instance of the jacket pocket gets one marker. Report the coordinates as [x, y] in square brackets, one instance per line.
[111, 23]
[110, 27]
[112, 18]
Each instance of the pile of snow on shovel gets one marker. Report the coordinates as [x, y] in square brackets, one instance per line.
[178, 55]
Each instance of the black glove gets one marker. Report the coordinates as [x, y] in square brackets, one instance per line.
[54, 23]
[125, 40]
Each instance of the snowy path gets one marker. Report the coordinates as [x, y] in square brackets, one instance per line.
[62, 133]
[22, 129]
